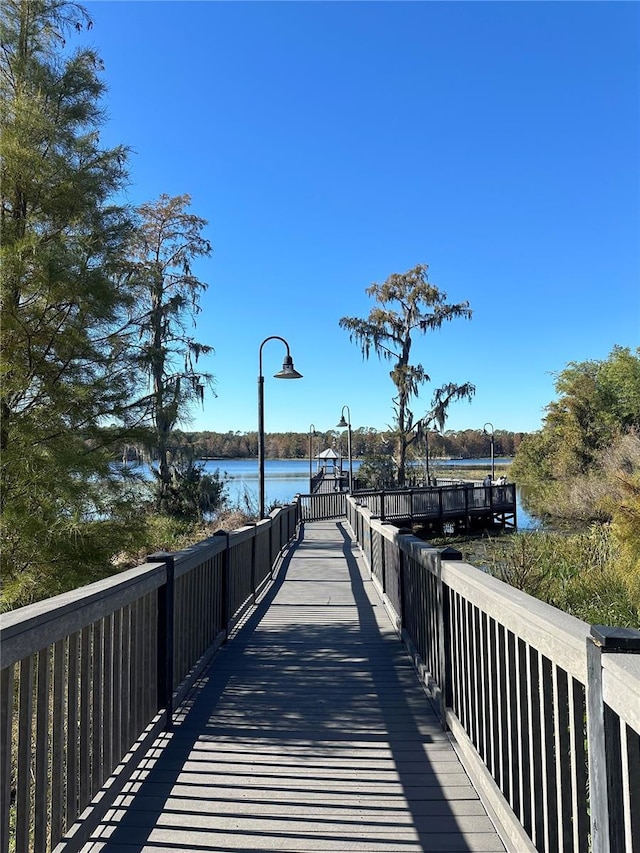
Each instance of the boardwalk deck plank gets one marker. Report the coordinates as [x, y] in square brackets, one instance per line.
[309, 732]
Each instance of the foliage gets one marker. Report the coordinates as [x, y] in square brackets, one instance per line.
[598, 403]
[163, 247]
[90, 297]
[621, 466]
[377, 471]
[48, 549]
[192, 493]
[408, 304]
[64, 367]
[578, 573]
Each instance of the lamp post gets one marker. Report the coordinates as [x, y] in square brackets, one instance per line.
[288, 372]
[493, 465]
[426, 457]
[312, 432]
[342, 424]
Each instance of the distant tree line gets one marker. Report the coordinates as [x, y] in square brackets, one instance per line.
[365, 442]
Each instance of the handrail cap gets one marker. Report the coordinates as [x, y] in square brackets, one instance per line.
[613, 639]
[450, 553]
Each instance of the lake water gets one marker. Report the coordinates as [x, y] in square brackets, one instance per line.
[285, 478]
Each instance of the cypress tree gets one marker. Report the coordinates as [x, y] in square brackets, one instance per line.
[65, 371]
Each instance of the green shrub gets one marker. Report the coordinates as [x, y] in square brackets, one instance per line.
[578, 573]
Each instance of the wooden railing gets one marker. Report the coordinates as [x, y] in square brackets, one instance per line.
[441, 503]
[321, 506]
[544, 708]
[90, 677]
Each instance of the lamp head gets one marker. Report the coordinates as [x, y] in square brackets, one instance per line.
[288, 370]
[343, 424]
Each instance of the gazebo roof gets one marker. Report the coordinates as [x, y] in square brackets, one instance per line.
[329, 453]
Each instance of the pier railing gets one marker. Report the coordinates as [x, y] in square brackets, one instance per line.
[461, 504]
[544, 708]
[90, 677]
[443, 503]
[322, 505]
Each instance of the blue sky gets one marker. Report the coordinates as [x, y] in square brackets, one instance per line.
[330, 144]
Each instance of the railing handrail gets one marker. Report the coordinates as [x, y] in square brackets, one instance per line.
[559, 635]
[95, 672]
[515, 679]
[28, 629]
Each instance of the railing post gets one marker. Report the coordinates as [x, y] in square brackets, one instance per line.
[253, 563]
[444, 635]
[224, 585]
[382, 515]
[6, 723]
[607, 810]
[467, 516]
[165, 635]
[271, 546]
[402, 563]
[442, 675]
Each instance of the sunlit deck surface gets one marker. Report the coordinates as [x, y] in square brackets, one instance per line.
[309, 732]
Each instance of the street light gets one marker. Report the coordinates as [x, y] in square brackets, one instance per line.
[288, 372]
[493, 465]
[312, 432]
[341, 425]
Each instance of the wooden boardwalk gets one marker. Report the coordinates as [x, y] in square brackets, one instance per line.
[309, 732]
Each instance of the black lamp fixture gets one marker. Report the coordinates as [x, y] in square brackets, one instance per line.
[346, 424]
[288, 372]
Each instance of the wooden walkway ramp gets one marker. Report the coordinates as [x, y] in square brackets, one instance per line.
[309, 732]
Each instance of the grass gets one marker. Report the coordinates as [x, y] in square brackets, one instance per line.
[577, 572]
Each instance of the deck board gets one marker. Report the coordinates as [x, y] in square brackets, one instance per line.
[309, 732]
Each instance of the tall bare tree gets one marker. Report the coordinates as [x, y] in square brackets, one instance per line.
[408, 304]
[167, 241]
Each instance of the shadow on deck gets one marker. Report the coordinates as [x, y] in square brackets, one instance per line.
[308, 731]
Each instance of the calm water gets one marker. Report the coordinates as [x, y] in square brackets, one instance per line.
[285, 478]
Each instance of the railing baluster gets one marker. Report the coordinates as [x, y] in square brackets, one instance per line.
[547, 702]
[97, 708]
[562, 728]
[514, 730]
[60, 665]
[25, 733]
[85, 719]
[632, 811]
[107, 699]
[125, 706]
[72, 753]
[6, 720]
[117, 676]
[42, 751]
